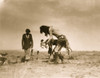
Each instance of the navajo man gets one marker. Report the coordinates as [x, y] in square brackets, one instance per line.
[62, 41]
[27, 44]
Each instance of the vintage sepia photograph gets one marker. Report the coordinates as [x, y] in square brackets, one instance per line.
[49, 39]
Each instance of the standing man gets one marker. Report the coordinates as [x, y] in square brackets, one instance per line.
[27, 44]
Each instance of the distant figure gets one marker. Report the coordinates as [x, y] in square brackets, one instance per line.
[3, 58]
[27, 44]
[62, 41]
[37, 55]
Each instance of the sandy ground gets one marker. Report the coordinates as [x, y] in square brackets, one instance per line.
[83, 65]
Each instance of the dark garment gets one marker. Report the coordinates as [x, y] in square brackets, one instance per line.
[51, 43]
[27, 41]
[50, 50]
[62, 41]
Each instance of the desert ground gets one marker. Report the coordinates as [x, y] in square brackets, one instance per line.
[83, 64]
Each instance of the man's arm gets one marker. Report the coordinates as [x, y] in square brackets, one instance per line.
[23, 42]
[32, 44]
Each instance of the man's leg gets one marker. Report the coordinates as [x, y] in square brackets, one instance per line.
[27, 54]
[68, 47]
[57, 54]
[69, 50]
[50, 50]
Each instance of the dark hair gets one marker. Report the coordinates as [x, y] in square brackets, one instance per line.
[28, 30]
[44, 29]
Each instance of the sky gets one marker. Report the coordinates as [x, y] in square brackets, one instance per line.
[79, 20]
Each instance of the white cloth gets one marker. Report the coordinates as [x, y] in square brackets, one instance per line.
[28, 54]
